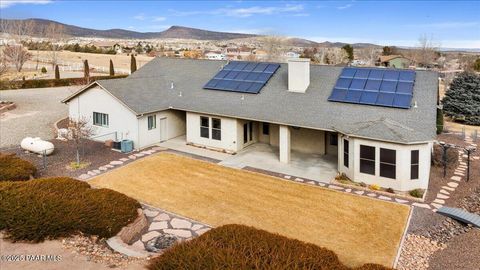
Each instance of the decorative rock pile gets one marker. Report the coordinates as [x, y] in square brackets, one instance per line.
[161, 242]
[416, 252]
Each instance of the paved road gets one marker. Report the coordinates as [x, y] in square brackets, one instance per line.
[36, 112]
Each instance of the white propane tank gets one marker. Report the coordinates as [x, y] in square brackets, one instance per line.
[37, 145]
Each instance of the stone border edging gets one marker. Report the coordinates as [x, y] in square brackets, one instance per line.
[404, 237]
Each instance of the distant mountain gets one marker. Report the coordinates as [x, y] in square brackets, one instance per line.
[173, 32]
[180, 32]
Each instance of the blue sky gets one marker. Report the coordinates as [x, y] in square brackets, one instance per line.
[450, 23]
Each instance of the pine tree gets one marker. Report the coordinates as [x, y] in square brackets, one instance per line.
[133, 64]
[112, 71]
[462, 99]
[349, 50]
[86, 71]
[57, 73]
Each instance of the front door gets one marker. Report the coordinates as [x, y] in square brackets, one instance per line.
[163, 129]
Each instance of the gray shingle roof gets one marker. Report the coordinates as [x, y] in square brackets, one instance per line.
[149, 90]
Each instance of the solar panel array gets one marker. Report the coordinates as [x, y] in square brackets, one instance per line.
[371, 86]
[244, 77]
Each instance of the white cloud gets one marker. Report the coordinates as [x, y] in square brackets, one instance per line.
[158, 19]
[446, 25]
[345, 6]
[243, 12]
[140, 17]
[9, 3]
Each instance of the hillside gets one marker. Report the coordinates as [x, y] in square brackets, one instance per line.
[173, 32]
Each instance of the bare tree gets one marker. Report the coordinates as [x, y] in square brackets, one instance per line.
[55, 33]
[17, 55]
[78, 131]
[273, 47]
[425, 54]
[3, 63]
[369, 55]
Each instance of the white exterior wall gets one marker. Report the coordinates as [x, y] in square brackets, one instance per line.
[175, 126]
[284, 144]
[229, 138]
[403, 162]
[303, 140]
[120, 118]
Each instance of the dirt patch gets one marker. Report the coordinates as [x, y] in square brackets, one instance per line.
[57, 164]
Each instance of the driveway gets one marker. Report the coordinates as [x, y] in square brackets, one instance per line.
[37, 110]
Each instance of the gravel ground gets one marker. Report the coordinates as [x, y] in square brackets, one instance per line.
[96, 154]
[36, 112]
[461, 253]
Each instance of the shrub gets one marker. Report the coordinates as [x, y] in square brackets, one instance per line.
[439, 121]
[390, 190]
[13, 168]
[363, 184]
[437, 158]
[417, 193]
[374, 187]
[43, 70]
[58, 207]
[243, 247]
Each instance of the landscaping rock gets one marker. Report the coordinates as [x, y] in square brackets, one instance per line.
[150, 213]
[196, 227]
[150, 235]
[158, 226]
[180, 223]
[179, 233]
[202, 231]
[452, 184]
[130, 233]
[116, 162]
[161, 242]
[162, 217]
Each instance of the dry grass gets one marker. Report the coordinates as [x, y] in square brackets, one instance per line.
[360, 230]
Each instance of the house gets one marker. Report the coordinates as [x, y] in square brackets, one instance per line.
[293, 107]
[394, 61]
[215, 56]
[291, 54]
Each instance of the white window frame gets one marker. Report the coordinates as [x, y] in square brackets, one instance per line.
[152, 124]
[100, 119]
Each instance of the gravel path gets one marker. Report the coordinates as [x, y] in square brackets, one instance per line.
[37, 110]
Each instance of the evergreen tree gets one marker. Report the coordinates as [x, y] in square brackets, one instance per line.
[57, 72]
[462, 99]
[439, 121]
[86, 71]
[112, 71]
[133, 64]
[389, 50]
[349, 50]
[476, 65]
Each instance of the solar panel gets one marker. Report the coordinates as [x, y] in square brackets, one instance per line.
[245, 77]
[374, 86]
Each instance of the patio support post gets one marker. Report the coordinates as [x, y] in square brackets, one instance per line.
[284, 144]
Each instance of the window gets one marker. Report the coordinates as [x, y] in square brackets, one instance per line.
[100, 119]
[266, 128]
[333, 138]
[388, 161]
[245, 133]
[216, 129]
[414, 157]
[204, 127]
[152, 122]
[345, 152]
[367, 159]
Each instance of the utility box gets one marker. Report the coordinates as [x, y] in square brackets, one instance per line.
[127, 146]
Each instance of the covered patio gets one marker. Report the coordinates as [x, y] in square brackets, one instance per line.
[317, 167]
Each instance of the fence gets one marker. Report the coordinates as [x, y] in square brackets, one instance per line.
[69, 66]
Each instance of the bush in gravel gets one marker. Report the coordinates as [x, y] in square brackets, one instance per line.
[417, 193]
[437, 158]
[243, 247]
[13, 168]
[57, 207]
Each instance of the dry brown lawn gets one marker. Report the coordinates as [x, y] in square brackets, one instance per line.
[360, 230]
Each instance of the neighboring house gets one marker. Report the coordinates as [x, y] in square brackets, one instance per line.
[394, 61]
[289, 55]
[293, 107]
[215, 56]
